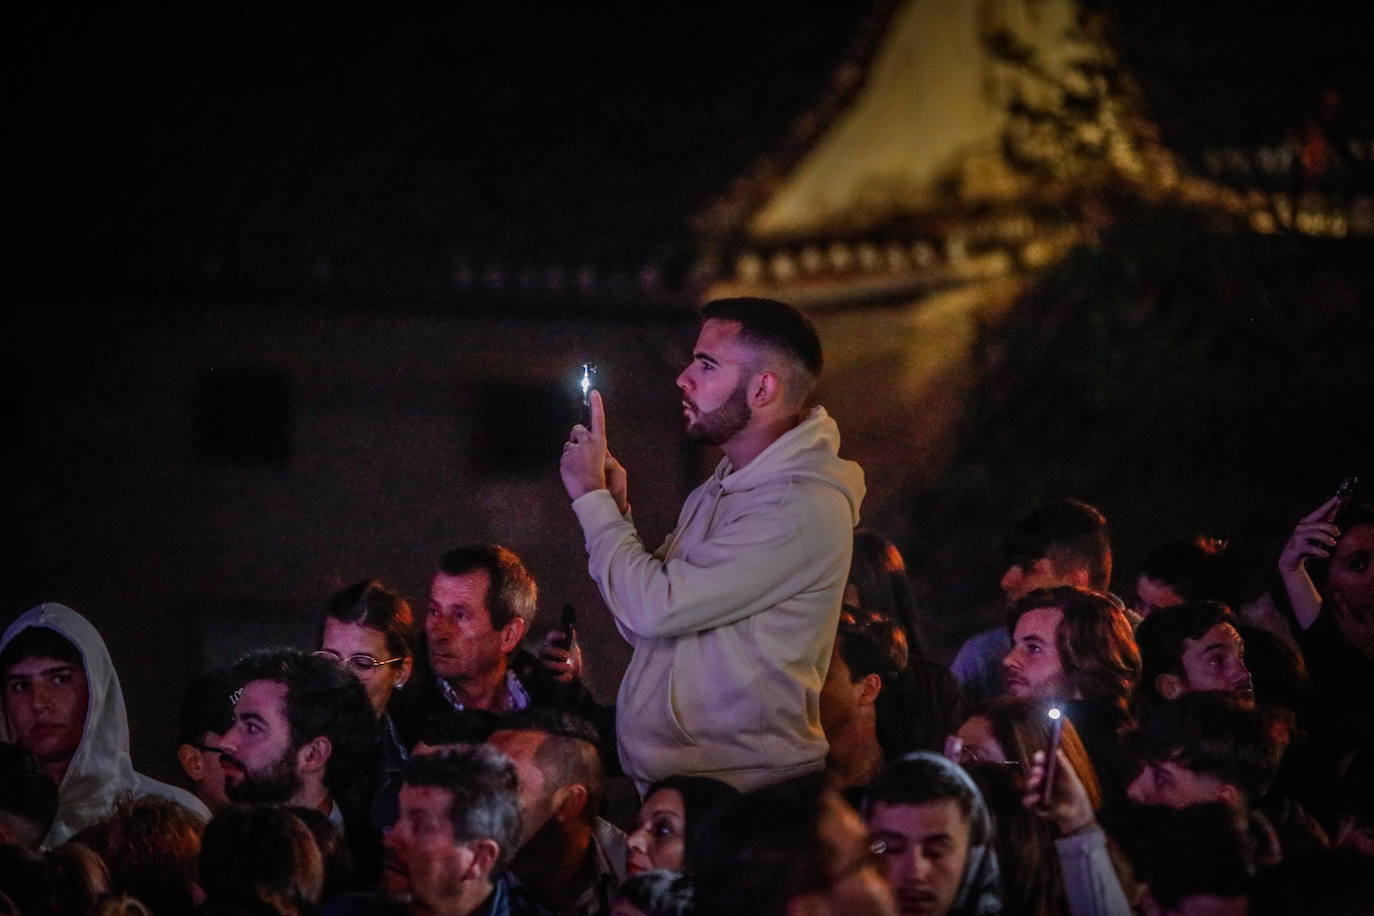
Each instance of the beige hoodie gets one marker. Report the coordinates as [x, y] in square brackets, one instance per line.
[733, 619]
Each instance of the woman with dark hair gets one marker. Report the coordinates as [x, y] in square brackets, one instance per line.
[669, 821]
[878, 581]
[370, 631]
[1327, 571]
[996, 746]
[920, 705]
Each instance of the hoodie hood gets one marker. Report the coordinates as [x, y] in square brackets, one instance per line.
[101, 768]
[809, 450]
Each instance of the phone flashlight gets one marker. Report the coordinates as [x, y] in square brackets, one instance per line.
[1057, 717]
[587, 383]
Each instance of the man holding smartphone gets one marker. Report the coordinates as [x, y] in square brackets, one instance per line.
[733, 619]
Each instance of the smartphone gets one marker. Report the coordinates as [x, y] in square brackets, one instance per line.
[1052, 754]
[586, 383]
[1345, 491]
[566, 624]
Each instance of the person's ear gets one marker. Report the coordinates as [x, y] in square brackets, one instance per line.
[1079, 578]
[1230, 794]
[764, 389]
[1170, 686]
[484, 855]
[511, 635]
[313, 755]
[870, 685]
[407, 668]
[569, 801]
[191, 762]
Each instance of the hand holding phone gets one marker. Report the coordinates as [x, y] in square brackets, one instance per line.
[566, 626]
[1052, 754]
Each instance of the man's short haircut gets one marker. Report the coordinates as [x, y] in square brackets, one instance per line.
[28, 795]
[1070, 534]
[486, 798]
[40, 642]
[1212, 732]
[1199, 569]
[511, 591]
[1097, 649]
[322, 698]
[871, 643]
[918, 779]
[570, 753]
[208, 706]
[764, 848]
[1202, 849]
[1160, 637]
[370, 604]
[777, 327]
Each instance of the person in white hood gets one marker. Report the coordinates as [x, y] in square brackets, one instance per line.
[63, 703]
[733, 619]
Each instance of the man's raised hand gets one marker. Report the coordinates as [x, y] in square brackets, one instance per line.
[583, 465]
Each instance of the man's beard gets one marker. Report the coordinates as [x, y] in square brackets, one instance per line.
[720, 425]
[277, 784]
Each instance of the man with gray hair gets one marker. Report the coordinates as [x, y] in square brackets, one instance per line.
[458, 828]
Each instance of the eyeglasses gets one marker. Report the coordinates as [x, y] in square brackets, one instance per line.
[208, 749]
[359, 664]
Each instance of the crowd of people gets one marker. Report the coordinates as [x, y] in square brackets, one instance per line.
[792, 744]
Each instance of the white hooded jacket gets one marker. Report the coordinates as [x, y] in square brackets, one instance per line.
[101, 771]
[733, 619]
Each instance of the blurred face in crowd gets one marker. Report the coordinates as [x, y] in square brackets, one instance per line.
[1216, 661]
[977, 743]
[203, 765]
[427, 869]
[256, 753]
[1351, 587]
[1032, 668]
[854, 883]
[1175, 786]
[463, 644]
[926, 850]
[360, 648]
[45, 703]
[1021, 579]
[660, 834]
[1152, 595]
[714, 385]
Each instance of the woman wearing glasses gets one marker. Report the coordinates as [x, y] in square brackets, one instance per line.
[370, 630]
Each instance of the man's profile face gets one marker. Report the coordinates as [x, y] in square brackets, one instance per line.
[926, 852]
[1033, 667]
[1216, 661]
[256, 753]
[424, 863]
[463, 645]
[45, 702]
[715, 399]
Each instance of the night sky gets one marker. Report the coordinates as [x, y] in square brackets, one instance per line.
[158, 150]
